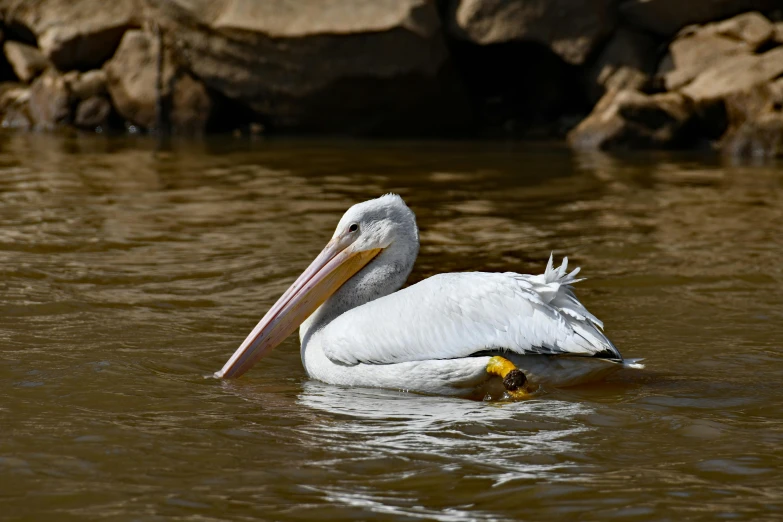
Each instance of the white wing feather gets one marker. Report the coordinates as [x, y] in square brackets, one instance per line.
[456, 315]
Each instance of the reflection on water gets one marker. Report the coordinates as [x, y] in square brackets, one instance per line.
[130, 271]
[490, 437]
[398, 439]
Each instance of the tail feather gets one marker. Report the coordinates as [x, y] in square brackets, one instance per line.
[548, 272]
[558, 275]
[554, 287]
[561, 271]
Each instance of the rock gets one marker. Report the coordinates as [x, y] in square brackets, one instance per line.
[132, 79]
[692, 54]
[571, 29]
[191, 106]
[699, 48]
[763, 138]
[666, 17]
[752, 28]
[735, 73]
[756, 122]
[14, 100]
[86, 85]
[11, 93]
[138, 95]
[718, 62]
[779, 33]
[630, 119]
[17, 117]
[346, 67]
[93, 113]
[628, 61]
[26, 60]
[50, 101]
[74, 34]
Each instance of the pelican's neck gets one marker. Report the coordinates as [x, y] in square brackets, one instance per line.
[382, 276]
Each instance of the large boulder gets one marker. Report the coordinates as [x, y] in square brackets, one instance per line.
[692, 54]
[633, 120]
[667, 17]
[146, 87]
[571, 29]
[734, 74]
[74, 34]
[132, 79]
[726, 70]
[710, 61]
[351, 66]
[628, 61]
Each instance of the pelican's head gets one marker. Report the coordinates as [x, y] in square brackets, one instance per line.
[376, 224]
[364, 232]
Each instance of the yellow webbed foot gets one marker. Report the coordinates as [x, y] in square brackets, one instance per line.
[513, 379]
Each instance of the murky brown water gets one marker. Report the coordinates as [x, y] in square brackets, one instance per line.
[127, 274]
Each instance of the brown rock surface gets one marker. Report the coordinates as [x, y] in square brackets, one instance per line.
[11, 93]
[92, 113]
[14, 106]
[734, 42]
[351, 66]
[756, 122]
[736, 73]
[191, 106]
[27, 61]
[692, 54]
[50, 101]
[74, 34]
[86, 85]
[132, 79]
[630, 119]
[303, 18]
[666, 17]
[571, 29]
[138, 94]
[752, 28]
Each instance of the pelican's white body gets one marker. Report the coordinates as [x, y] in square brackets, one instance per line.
[422, 338]
[466, 376]
[436, 336]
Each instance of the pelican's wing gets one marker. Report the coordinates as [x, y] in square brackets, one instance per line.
[460, 314]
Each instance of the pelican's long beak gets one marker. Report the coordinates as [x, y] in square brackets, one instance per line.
[333, 267]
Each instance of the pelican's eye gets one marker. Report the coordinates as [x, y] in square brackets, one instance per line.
[354, 227]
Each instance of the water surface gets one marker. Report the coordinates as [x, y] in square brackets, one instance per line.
[129, 271]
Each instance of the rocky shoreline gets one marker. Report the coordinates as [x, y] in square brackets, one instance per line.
[604, 74]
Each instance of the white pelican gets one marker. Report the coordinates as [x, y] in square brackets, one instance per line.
[465, 334]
